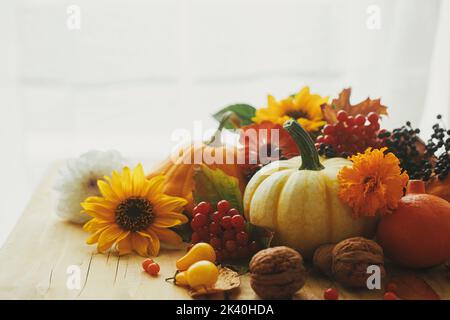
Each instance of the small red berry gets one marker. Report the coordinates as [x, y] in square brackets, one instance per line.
[331, 294]
[216, 216]
[195, 237]
[390, 296]
[223, 206]
[146, 263]
[238, 221]
[214, 228]
[328, 139]
[373, 117]
[153, 269]
[375, 126]
[359, 120]
[328, 129]
[216, 243]
[203, 208]
[201, 219]
[226, 222]
[228, 235]
[319, 139]
[233, 212]
[391, 287]
[350, 121]
[342, 115]
[231, 245]
[203, 232]
[242, 238]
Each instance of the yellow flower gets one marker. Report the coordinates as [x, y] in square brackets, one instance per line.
[303, 106]
[132, 214]
[374, 184]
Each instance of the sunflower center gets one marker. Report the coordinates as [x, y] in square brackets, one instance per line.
[297, 114]
[134, 214]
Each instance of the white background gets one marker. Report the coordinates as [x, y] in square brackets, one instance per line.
[138, 69]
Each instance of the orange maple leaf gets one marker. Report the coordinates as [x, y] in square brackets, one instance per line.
[343, 103]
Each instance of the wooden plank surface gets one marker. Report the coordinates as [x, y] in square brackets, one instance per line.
[35, 259]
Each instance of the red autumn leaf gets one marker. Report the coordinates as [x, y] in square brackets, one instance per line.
[411, 287]
[329, 111]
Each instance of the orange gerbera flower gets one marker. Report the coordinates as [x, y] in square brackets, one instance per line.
[374, 184]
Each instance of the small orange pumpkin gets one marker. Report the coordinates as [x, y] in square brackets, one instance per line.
[179, 172]
[417, 233]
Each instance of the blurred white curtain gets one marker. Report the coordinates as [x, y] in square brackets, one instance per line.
[139, 69]
[438, 90]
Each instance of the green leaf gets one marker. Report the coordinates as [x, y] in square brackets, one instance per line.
[262, 236]
[243, 114]
[184, 231]
[240, 266]
[215, 185]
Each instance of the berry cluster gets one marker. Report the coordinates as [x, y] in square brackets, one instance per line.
[417, 158]
[349, 135]
[440, 139]
[404, 142]
[224, 229]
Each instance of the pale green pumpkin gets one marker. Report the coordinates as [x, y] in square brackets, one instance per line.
[298, 199]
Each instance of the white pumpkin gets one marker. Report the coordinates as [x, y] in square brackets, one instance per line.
[298, 199]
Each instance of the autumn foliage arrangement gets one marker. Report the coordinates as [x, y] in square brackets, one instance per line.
[322, 178]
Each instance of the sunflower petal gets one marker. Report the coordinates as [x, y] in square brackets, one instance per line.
[167, 235]
[165, 204]
[138, 180]
[126, 182]
[154, 187]
[95, 224]
[139, 244]
[94, 238]
[106, 190]
[154, 244]
[116, 185]
[108, 237]
[124, 246]
[98, 210]
[169, 220]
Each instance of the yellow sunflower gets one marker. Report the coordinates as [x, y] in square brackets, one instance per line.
[132, 213]
[303, 106]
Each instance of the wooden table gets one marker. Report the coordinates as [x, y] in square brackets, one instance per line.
[42, 252]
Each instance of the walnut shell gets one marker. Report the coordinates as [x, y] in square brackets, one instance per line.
[351, 257]
[323, 258]
[277, 273]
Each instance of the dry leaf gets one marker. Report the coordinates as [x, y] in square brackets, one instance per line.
[343, 103]
[411, 287]
[228, 280]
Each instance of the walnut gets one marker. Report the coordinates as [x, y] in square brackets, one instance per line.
[323, 258]
[277, 273]
[351, 257]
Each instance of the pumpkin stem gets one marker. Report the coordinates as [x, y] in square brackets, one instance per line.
[308, 152]
[216, 137]
[415, 186]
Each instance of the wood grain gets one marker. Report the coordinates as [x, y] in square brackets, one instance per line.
[35, 259]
